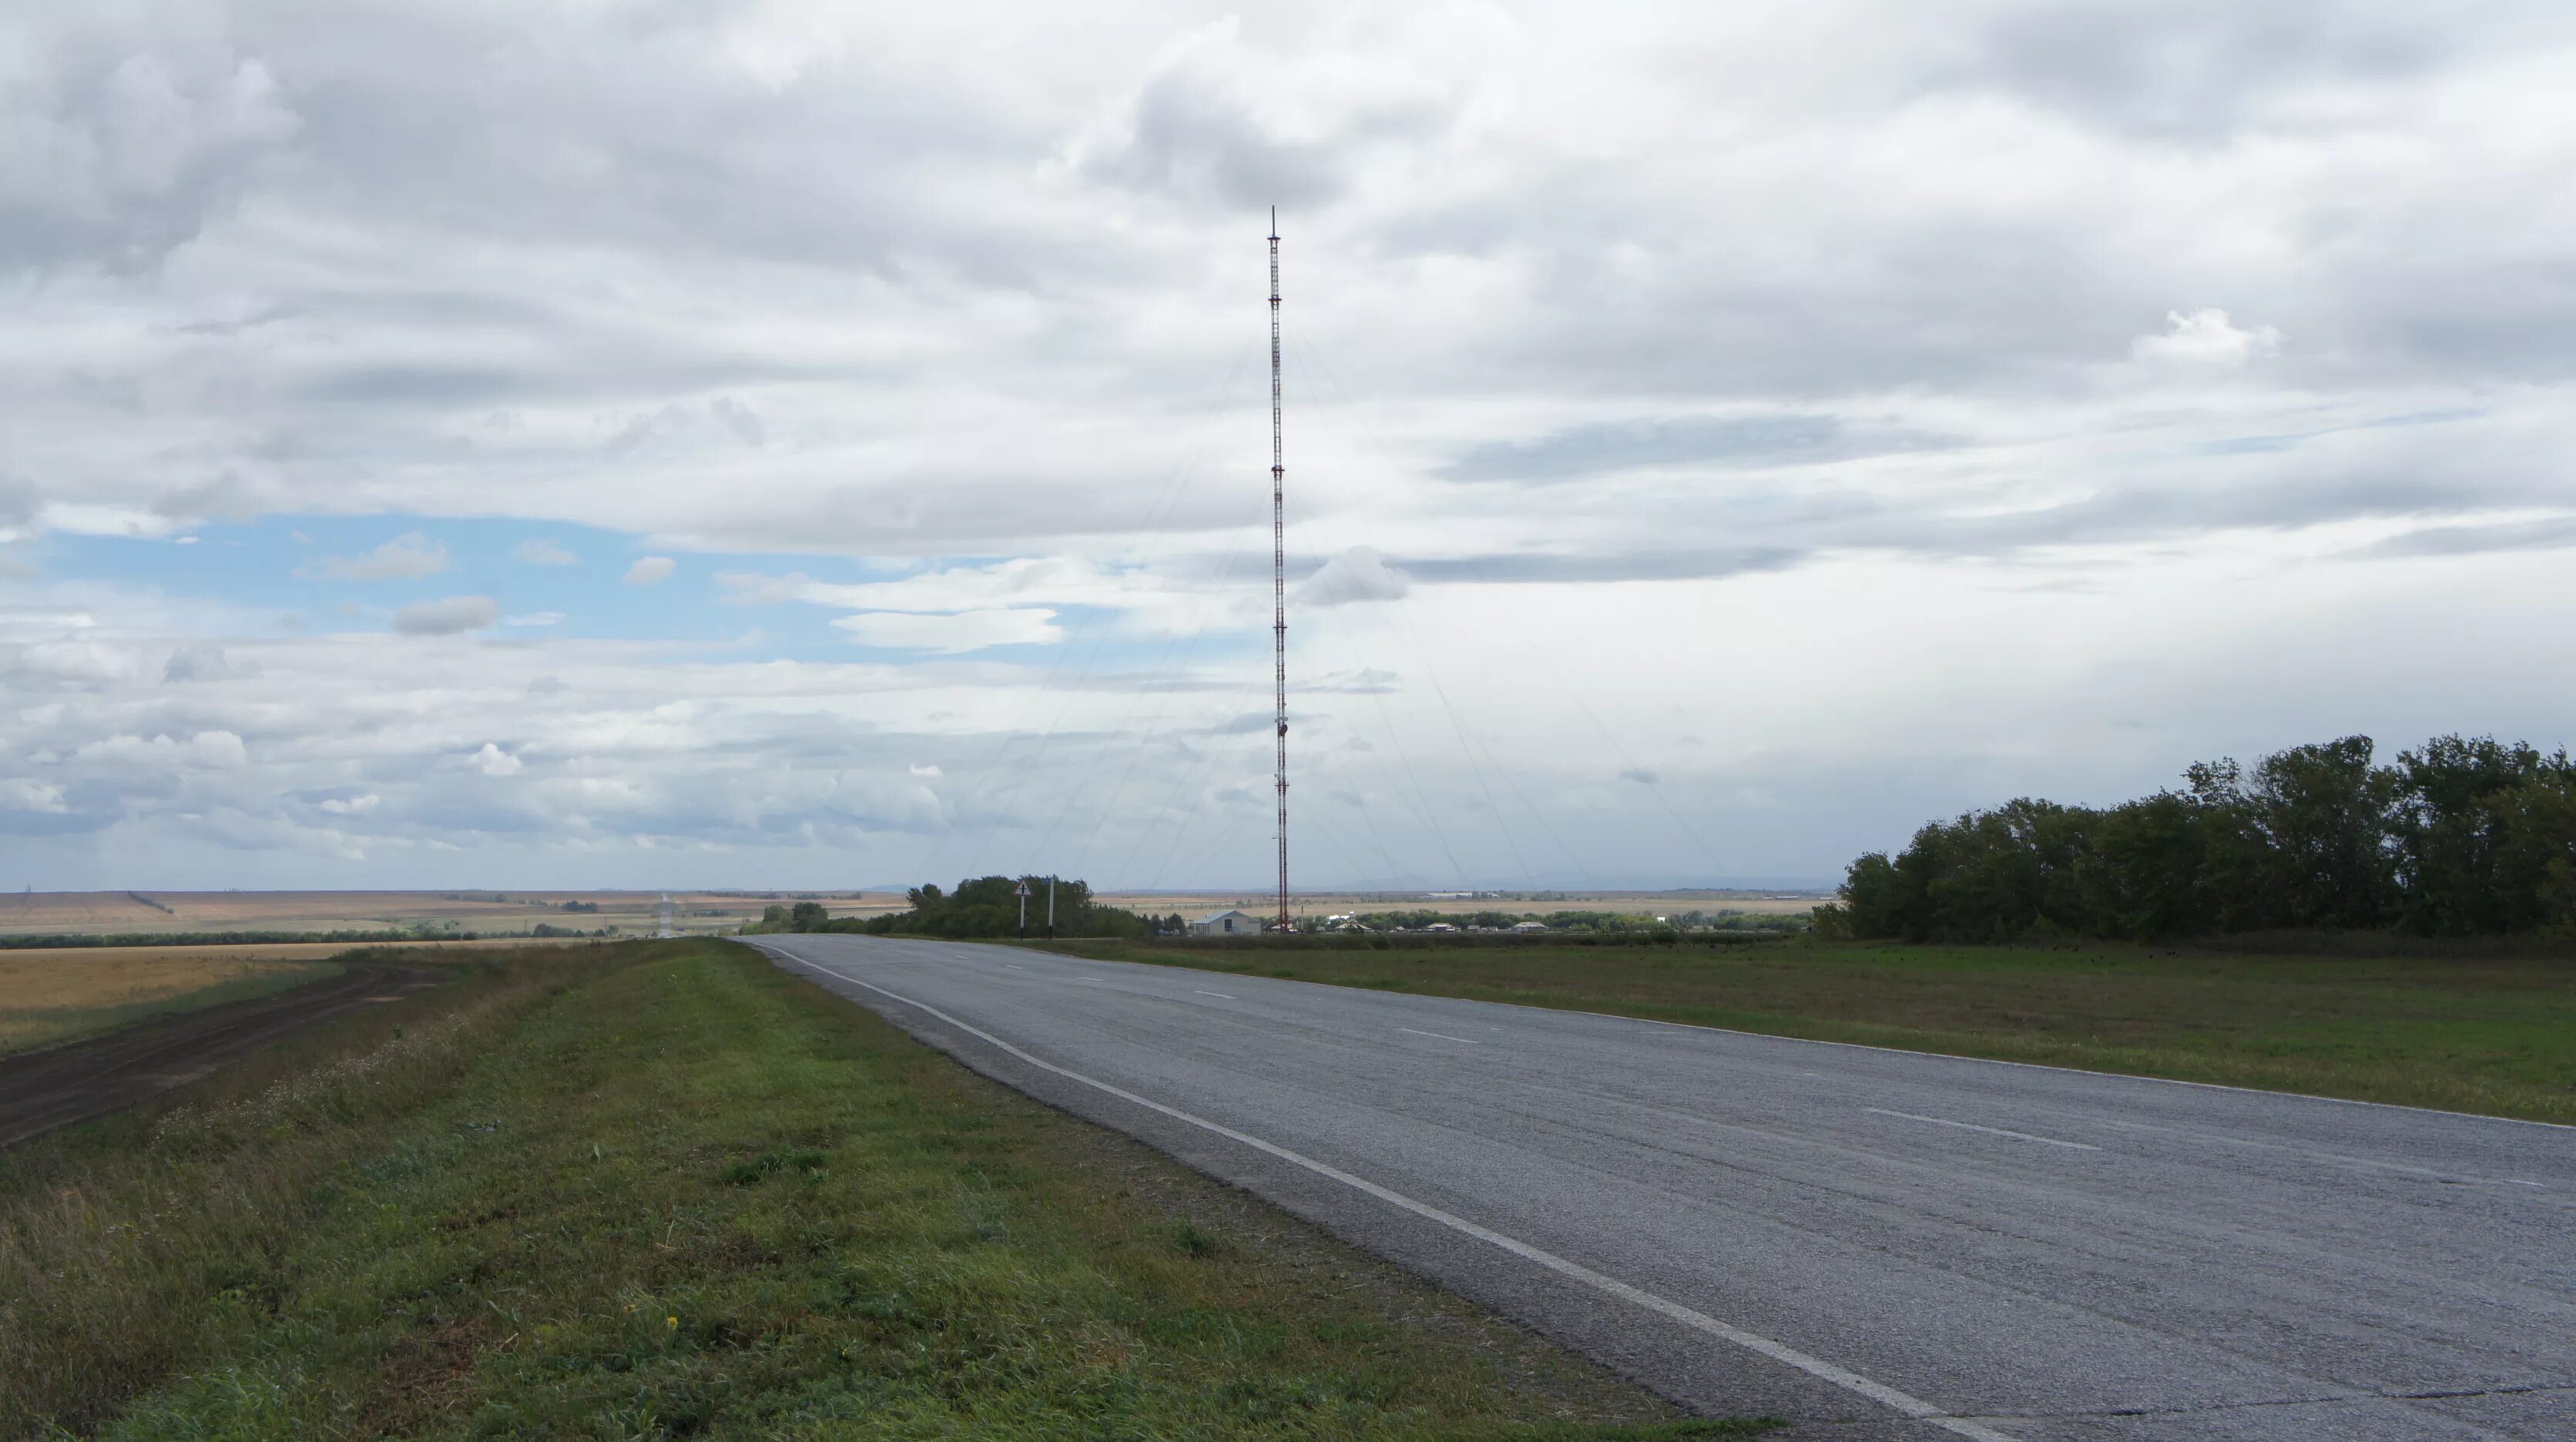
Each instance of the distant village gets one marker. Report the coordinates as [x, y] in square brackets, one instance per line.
[1244, 923]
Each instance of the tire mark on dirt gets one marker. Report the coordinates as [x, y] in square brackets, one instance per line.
[59, 1085]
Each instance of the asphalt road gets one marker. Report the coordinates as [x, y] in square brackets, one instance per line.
[76, 1080]
[1875, 1244]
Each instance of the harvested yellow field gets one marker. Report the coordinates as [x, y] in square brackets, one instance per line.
[52, 993]
[627, 913]
[122, 976]
[46, 996]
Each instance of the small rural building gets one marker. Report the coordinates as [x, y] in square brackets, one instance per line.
[1225, 923]
[1529, 926]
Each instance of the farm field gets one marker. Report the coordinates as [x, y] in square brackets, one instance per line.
[51, 996]
[665, 1189]
[630, 912]
[2492, 1036]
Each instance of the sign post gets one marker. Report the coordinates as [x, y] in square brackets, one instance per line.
[1023, 895]
[1050, 908]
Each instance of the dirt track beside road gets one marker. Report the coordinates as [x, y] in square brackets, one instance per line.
[59, 1085]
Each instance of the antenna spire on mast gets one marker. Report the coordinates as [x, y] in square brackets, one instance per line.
[1279, 571]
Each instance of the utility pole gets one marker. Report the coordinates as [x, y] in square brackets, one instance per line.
[1050, 907]
[1279, 570]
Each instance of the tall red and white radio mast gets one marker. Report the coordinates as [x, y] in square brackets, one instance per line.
[1279, 572]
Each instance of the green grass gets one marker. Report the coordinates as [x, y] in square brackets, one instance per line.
[24, 1028]
[2494, 1035]
[666, 1191]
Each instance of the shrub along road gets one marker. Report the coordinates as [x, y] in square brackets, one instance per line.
[1901, 1245]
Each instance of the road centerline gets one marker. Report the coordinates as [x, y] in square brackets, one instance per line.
[1444, 1036]
[1990, 1131]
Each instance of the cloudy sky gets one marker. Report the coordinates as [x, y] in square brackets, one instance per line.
[651, 443]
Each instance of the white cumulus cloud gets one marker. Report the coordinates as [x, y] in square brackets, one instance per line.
[2206, 338]
[204, 661]
[212, 750]
[19, 794]
[1358, 574]
[650, 570]
[493, 761]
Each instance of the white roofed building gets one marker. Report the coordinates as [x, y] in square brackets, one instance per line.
[1226, 923]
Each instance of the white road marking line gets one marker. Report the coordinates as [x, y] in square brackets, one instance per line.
[1212, 993]
[1816, 1367]
[1990, 1131]
[2401, 1168]
[1444, 1036]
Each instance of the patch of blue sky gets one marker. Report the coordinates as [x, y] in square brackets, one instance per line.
[2251, 445]
[331, 574]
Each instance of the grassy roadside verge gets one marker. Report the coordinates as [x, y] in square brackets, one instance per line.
[38, 1010]
[681, 1193]
[2493, 1035]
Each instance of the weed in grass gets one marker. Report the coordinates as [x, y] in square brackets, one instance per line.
[743, 1174]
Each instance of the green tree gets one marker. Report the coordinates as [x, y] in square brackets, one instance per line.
[1878, 899]
[2324, 809]
[2462, 869]
[990, 906]
[2540, 842]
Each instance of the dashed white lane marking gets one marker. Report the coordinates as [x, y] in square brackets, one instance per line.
[1444, 1036]
[1817, 1367]
[1990, 1131]
[2403, 1169]
[1227, 996]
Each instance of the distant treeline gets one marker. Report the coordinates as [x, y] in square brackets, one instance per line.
[2460, 837]
[985, 906]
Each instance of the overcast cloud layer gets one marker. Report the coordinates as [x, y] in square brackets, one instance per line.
[800, 444]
